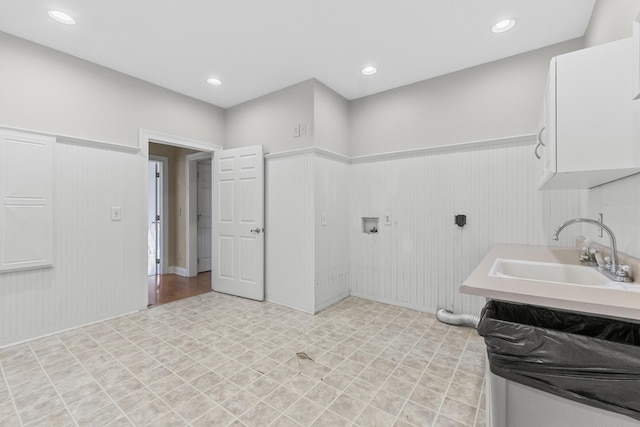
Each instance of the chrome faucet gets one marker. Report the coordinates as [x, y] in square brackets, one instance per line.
[619, 273]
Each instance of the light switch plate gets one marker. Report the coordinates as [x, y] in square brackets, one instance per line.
[323, 220]
[296, 131]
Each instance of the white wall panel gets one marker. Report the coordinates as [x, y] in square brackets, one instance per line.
[289, 231]
[619, 202]
[26, 201]
[332, 238]
[99, 268]
[422, 257]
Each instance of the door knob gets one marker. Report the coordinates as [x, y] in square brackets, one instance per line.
[257, 230]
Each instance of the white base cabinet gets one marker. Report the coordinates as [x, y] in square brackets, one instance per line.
[510, 404]
[589, 133]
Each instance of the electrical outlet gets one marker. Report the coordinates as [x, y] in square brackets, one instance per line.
[116, 213]
[387, 219]
[303, 129]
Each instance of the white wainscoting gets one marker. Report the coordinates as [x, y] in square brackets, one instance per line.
[99, 271]
[421, 258]
[619, 202]
[307, 263]
[332, 238]
[289, 231]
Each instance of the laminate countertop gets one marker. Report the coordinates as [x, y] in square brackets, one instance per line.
[620, 303]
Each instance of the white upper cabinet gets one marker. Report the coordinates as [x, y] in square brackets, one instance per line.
[636, 59]
[587, 134]
[545, 149]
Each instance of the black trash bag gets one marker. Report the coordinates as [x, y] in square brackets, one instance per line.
[588, 359]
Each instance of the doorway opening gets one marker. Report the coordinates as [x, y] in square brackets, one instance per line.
[164, 288]
[156, 229]
[204, 206]
[169, 224]
[170, 279]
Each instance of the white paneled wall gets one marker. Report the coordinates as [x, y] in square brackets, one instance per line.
[307, 263]
[98, 272]
[332, 237]
[422, 257]
[289, 231]
[619, 202]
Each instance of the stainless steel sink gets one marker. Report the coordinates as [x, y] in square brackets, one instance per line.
[548, 272]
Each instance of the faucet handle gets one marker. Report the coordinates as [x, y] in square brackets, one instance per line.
[624, 271]
[598, 257]
[584, 254]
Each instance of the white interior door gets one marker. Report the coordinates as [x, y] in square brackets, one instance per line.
[204, 216]
[238, 222]
[153, 224]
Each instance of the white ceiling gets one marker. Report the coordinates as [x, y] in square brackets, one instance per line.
[258, 46]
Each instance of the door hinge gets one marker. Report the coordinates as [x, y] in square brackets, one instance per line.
[158, 218]
[157, 174]
[198, 260]
[157, 260]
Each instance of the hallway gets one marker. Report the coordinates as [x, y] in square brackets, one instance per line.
[172, 287]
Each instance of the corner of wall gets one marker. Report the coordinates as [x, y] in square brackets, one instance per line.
[611, 20]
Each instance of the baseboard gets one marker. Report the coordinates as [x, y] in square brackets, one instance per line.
[332, 301]
[66, 328]
[180, 271]
[396, 303]
[288, 306]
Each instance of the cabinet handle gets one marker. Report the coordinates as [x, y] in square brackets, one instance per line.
[536, 151]
[540, 137]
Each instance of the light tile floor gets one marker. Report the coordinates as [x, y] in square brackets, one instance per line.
[219, 360]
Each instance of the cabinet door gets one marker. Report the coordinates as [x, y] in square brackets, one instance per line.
[593, 120]
[546, 146]
[636, 59]
[594, 128]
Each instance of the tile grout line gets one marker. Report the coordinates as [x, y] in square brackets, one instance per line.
[451, 382]
[378, 388]
[94, 378]
[475, 420]
[424, 370]
[146, 386]
[52, 383]
[340, 392]
[279, 323]
[13, 400]
[303, 396]
[236, 418]
[121, 364]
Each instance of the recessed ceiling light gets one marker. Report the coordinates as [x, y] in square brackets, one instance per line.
[369, 71]
[61, 17]
[214, 82]
[503, 25]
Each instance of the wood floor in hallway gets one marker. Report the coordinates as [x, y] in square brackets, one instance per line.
[164, 288]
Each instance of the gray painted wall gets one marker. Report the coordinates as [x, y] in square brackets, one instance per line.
[270, 120]
[494, 100]
[48, 91]
[611, 20]
[331, 120]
